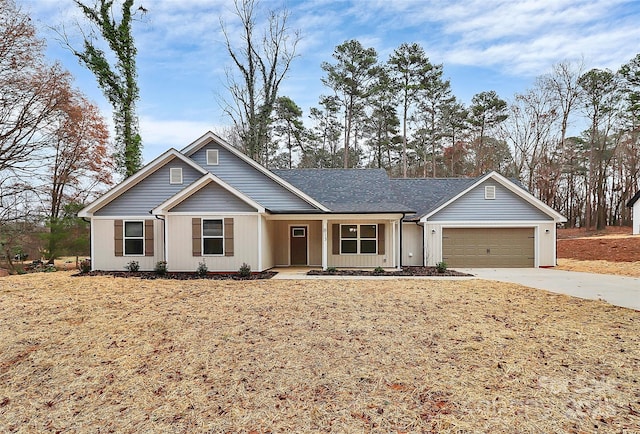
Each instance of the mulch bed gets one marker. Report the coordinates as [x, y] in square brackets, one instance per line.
[179, 275]
[406, 271]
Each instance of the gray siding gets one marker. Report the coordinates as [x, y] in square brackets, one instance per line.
[250, 181]
[213, 198]
[507, 206]
[150, 192]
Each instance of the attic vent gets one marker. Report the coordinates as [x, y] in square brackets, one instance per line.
[212, 157]
[490, 192]
[175, 175]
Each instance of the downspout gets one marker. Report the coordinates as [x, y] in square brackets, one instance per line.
[164, 237]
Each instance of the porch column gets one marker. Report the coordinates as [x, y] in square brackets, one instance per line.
[325, 249]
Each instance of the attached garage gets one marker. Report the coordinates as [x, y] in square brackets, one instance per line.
[488, 247]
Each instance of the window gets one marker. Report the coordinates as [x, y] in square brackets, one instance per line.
[490, 192]
[175, 175]
[212, 237]
[356, 239]
[212, 157]
[299, 232]
[134, 238]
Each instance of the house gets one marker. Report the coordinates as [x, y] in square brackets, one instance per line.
[211, 203]
[634, 204]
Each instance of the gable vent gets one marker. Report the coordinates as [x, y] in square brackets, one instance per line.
[490, 192]
[212, 157]
[175, 175]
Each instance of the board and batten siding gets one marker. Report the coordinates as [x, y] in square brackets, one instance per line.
[507, 206]
[412, 240]
[268, 240]
[151, 191]
[246, 178]
[245, 240]
[213, 198]
[361, 260]
[103, 233]
[282, 241]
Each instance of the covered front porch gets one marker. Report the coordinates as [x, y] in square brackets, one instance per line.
[338, 240]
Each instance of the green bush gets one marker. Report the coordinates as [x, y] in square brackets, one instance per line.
[331, 269]
[202, 269]
[160, 268]
[441, 267]
[132, 266]
[85, 266]
[378, 270]
[245, 270]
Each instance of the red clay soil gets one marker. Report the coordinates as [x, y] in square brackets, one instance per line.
[584, 246]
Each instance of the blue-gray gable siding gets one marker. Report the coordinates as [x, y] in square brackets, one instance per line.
[507, 206]
[213, 198]
[150, 192]
[250, 181]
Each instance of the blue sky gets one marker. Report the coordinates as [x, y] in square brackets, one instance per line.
[499, 45]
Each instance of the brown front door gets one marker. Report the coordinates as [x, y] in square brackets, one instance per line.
[298, 245]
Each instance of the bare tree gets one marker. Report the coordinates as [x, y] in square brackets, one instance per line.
[261, 64]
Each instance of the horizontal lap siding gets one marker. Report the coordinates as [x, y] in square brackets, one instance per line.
[507, 206]
[255, 184]
[213, 198]
[150, 192]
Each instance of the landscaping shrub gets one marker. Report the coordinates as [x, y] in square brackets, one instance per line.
[160, 268]
[441, 267]
[202, 269]
[378, 270]
[132, 266]
[245, 270]
[85, 266]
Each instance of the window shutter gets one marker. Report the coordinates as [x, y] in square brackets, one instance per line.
[228, 237]
[335, 239]
[381, 239]
[117, 237]
[196, 236]
[148, 237]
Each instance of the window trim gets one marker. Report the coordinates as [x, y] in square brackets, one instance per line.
[358, 238]
[173, 170]
[210, 160]
[203, 237]
[125, 238]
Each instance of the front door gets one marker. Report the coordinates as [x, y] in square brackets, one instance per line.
[298, 245]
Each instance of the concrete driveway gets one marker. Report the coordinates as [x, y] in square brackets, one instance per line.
[617, 290]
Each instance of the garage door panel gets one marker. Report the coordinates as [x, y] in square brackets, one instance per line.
[488, 247]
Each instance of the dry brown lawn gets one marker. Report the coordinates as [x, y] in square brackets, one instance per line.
[631, 269]
[102, 354]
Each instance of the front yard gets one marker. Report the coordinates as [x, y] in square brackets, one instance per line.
[104, 354]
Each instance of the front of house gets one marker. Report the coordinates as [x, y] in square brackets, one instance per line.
[210, 203]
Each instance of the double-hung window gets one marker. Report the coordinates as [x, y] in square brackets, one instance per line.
[356, 239]
[212, 237]
[134, 238]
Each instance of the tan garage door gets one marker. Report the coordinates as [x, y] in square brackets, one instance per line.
[490, 247]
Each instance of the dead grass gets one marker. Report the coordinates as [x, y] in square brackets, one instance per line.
[631, 269]
[105, 354]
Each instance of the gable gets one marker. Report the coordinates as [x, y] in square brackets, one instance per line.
[507, 206]
[250, 181]
[151, 191]
[213, 198]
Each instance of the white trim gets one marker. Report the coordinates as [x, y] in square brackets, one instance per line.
[202, 237]
[342, 217]
[259, 221]
[212, 161]
[178, 171]
[489, 192]
[125, 217]
[154, 165]
[93, 246]
[209, 136]
[557, 217]
[209, 213]
[196, 186]
[325, 246]
[124, 238]
[306, 226]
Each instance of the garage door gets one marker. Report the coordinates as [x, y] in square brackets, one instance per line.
[490, 247]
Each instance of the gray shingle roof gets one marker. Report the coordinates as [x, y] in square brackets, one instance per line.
[347, 190]
[427, 194]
